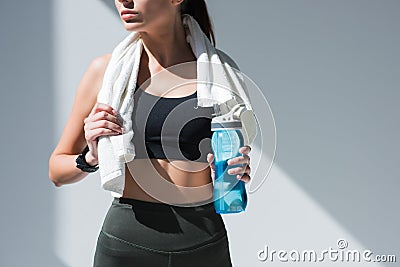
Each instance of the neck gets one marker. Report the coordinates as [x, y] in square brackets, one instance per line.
[167, 46]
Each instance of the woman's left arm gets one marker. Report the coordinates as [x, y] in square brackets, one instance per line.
[243, 172]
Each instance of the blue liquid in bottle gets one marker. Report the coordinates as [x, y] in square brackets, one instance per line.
[229, 192]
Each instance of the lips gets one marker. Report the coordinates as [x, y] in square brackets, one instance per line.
[128, 14]
[123, 12]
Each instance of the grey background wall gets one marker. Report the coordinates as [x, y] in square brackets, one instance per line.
[27, 128]
[329, 69]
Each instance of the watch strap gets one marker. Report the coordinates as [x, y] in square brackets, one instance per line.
[82, 164]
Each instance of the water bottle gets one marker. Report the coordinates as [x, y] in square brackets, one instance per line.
[229, 192]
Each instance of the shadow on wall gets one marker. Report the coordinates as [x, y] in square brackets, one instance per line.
[335, 90]
[27, 199]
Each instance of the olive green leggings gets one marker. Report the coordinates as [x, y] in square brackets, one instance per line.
[141, 233]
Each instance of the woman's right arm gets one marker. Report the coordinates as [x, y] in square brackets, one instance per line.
[88, 120]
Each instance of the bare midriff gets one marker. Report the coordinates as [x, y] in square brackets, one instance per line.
[172, 181]
[167, 180]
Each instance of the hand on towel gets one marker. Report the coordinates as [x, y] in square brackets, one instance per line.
[243, 172]
[102, 120]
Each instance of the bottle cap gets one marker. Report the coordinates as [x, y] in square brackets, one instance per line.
[227, 115]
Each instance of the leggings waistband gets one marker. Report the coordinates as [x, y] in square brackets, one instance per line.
[160, 207]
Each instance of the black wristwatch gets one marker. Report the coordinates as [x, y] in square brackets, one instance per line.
[82, 164]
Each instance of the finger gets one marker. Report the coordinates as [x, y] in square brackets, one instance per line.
[244, 169]
[93, 134]
[103, 124]
[102, 106]
[248, 169]
[103, 115]
[245, 177]
[239, 170]
[238, 160]
[210, 159]
[106, 116]
[245, 149]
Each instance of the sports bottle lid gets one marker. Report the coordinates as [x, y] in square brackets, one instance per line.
[227, 115]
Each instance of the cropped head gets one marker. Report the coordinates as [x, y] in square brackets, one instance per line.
[160, 15]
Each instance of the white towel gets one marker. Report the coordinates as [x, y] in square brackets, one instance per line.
[218, 82]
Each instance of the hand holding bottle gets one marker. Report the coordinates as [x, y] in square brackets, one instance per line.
[242, 173]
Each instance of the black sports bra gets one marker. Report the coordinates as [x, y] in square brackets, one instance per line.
[172, 128]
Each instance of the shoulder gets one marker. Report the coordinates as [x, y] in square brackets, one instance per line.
[92, 79]
[225, 58]
[99, 64]
[94, 74]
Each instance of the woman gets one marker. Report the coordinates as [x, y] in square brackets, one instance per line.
[139, 228]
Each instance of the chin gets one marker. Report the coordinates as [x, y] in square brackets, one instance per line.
[131, 26]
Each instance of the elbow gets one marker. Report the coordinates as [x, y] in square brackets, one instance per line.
[57, 184]
[53, 178]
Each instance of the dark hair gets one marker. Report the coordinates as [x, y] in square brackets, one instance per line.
[198, 10]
